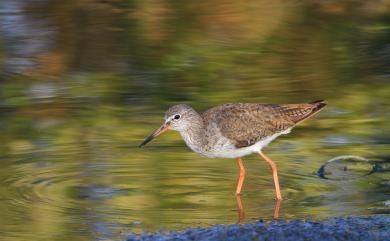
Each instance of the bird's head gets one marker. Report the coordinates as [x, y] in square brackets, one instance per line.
[178, 118]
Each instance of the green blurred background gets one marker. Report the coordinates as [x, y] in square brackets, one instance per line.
[82, 82]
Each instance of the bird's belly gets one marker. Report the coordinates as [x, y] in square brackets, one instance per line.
[219, 146]
[226, 148]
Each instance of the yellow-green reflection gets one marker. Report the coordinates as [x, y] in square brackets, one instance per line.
[77, 100]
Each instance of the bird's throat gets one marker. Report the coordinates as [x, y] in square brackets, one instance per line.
[194, 135]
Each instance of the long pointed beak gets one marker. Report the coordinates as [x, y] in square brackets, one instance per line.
[166, 126]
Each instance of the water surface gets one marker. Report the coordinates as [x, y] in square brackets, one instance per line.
[83, 82]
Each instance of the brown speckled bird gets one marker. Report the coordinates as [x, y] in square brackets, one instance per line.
[236, 130]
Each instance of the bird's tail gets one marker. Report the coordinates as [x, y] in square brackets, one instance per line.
[318, 105]
[301, 112]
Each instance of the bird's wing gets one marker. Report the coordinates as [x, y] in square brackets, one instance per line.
[246, 124]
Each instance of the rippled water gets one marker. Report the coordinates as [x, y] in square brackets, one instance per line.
[83, 83]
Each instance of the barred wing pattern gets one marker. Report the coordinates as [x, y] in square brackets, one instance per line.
[246, 124]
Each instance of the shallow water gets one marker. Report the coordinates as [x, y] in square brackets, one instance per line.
[83, 83]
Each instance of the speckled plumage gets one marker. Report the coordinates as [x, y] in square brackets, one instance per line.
[235, 130]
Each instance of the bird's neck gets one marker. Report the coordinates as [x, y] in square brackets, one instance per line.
[193, 135]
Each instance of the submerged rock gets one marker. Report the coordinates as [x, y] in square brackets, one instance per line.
[334, 229]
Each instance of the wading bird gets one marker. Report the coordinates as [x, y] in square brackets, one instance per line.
[236, 130]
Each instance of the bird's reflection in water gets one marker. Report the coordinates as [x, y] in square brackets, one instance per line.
[241, 210]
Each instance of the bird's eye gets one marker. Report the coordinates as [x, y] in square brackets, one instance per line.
[177, 117]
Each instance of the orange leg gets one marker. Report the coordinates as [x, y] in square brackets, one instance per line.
[242, 176]
[274, 174]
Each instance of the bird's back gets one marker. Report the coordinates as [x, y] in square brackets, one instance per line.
[248, 123]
